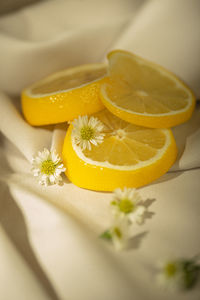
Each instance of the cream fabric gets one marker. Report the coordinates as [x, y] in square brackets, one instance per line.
[52, 253]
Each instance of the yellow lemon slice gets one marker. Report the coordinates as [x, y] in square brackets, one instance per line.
[128, 155]
[146, 94]
[64, 95]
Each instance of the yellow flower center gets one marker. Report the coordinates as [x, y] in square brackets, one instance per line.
[87, 133]
[118, 232]
[48, 167]
[170, 269]
[126, 206]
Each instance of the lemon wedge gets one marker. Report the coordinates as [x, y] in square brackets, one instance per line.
[64, 95]
[146, 94]
[128, 156]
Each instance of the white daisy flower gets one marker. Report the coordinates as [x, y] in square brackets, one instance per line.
[120, 233]
[179, 274]
[170, 275]
[128, 203]
[47, 166]
[87, 131]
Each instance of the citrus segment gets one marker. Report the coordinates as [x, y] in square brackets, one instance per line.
[64, 95]
[129, 156]
[144, 93]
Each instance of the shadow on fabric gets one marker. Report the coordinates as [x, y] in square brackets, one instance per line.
[13, 223]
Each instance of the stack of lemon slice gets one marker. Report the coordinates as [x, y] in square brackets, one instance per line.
[142, 101]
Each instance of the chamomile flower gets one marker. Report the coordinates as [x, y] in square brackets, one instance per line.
[47, 167]
[120, 233]
[87, 131]
[128, 203]
[178, 274]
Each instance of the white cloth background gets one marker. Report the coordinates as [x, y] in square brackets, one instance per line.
[51, 253]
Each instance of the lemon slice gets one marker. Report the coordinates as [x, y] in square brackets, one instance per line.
[129, 156]
[146, 94]
[64, 95]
